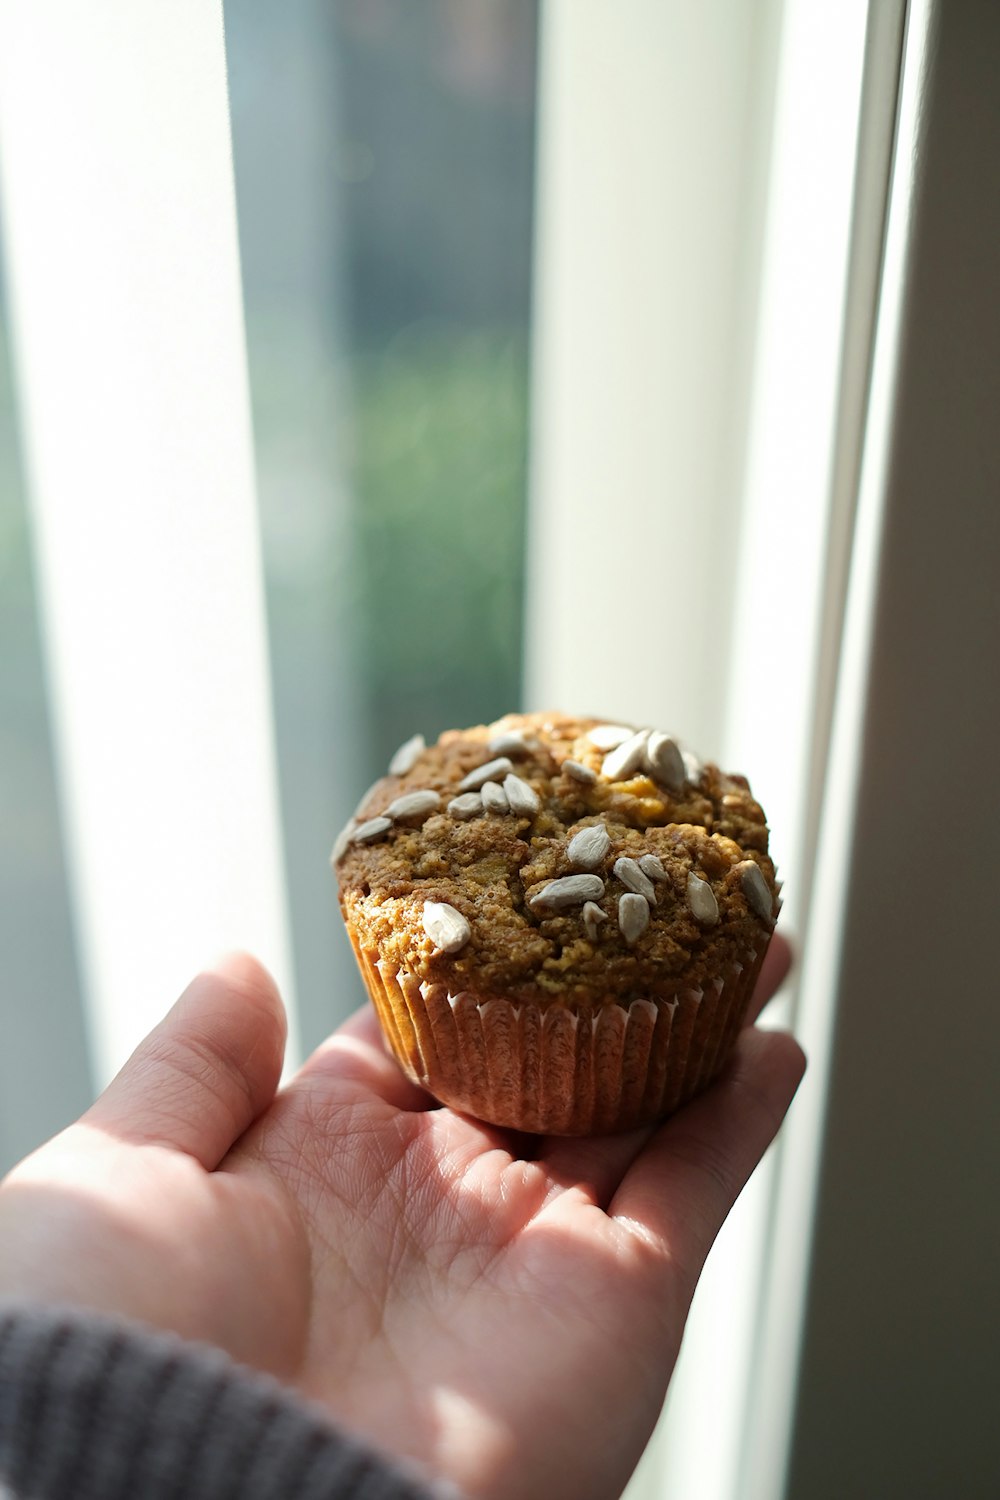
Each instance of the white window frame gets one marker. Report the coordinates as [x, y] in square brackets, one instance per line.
[124, 287]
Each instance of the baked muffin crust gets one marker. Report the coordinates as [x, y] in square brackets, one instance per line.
[669, 878]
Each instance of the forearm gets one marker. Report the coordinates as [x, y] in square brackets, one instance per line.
[97, 1409]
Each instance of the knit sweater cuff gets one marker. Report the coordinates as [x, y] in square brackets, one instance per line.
[93, 1408]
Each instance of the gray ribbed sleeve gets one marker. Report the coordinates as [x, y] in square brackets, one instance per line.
[96, 1409]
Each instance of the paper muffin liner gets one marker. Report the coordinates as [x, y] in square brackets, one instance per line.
[556, 1070]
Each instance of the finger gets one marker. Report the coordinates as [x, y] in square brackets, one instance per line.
[356, 1059]
[774, 972]
[595, 1165]
[207, 1071]
[681, 1187]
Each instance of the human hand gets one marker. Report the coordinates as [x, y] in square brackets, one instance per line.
[504, 1309]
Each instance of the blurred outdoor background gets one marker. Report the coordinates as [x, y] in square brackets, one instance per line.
[384, 157]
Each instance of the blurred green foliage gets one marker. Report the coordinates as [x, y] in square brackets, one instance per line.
[438, 470]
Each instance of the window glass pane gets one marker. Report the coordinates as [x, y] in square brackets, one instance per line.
[384, 163]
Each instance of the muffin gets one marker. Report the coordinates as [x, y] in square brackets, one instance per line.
[559, 920]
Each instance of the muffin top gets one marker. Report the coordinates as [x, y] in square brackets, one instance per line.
[557, 860]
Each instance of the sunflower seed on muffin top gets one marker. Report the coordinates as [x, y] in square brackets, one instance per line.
[664, 759]
[447, 928]
[368, 832]
[633, 917]
[592, 916]
[586, 849]
[701, 899]
[494, 797]
[627, 757]
[407, 755]
[634, 878]
[755, 889]
[413, 804]
[571, 890]
[466, 806]
[513, 744]
[491, 771]
[521, 796]
[609, 736]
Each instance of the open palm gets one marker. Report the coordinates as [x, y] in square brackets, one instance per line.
[504, 1309]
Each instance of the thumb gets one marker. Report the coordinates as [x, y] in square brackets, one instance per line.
[207, 1071]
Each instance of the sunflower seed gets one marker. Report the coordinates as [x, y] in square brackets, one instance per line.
[634, 879]
[413, 804]
[609, 736]
[375, 828]
[755, 889]
[469, 805]
[512, 742]
[628, 757]
[692, 766]
[701, 899]
[447, 928]
[492, 770]
[652, 865]
[592, 916]
[570, 890]
[579, 772]
[521, 795]
[633, 917]
[587, 848]
[664, 759]
[342, 842]
[407, 755]
[494, 797]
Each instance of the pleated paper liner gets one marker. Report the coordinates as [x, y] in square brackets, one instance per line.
[551, 1070]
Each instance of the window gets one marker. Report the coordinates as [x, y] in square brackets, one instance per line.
[370, 366]
[384, 177]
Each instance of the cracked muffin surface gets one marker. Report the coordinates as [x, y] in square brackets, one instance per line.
[557, 860]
